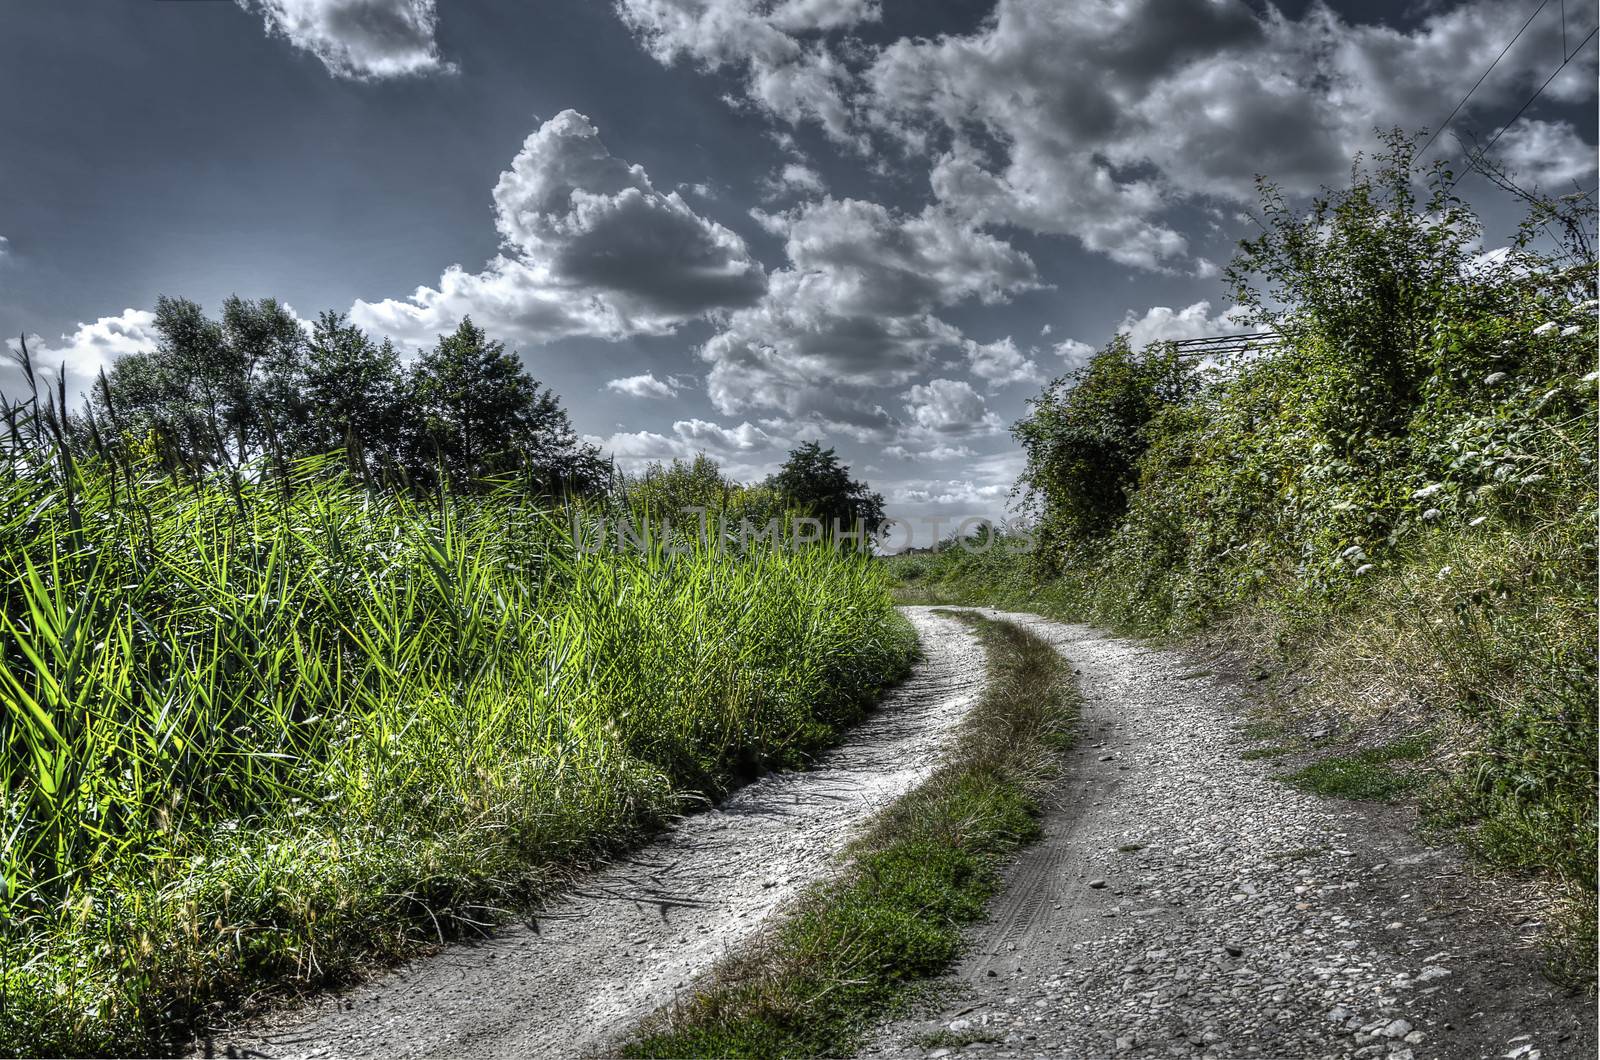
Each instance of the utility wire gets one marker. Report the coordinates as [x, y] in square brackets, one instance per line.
[1495, 139]
[1441, 126]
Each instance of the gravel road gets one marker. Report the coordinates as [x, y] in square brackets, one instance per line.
[627, 938]
[1182, 903]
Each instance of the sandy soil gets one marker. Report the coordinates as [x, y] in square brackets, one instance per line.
[577, 976]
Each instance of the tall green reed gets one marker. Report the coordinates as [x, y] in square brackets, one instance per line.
[273, 722]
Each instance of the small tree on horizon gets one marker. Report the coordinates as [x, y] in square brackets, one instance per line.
[813, 479]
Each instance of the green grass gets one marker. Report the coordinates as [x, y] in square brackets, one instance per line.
[258, 733]
[854, 945]
[1367, 774]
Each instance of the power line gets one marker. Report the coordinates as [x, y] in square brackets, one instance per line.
[1521, 110]
[1441, 126]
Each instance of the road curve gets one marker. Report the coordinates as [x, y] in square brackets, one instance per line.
[1184, 901]
[626, 939]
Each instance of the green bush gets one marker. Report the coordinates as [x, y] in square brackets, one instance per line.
[1402, 498]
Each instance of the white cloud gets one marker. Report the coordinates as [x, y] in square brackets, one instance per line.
[788, 68]
[938, 451]
[953, 491]
[795, 178]
[746, 452]
[93, 346]
[1164, 324]
[1073, 352]
[358, 39]
[591, 248]
[949, 407]
[1099, 119]
[645, 386]
[5, 248]
[1548, 155]
[854, 310]
[1001, 364]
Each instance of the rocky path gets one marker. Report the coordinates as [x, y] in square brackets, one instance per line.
[1184, 903]
[576, 977]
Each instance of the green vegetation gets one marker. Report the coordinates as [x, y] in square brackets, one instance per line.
[1365, 774]
[266, 720]
[1400, 501]
[927, 866]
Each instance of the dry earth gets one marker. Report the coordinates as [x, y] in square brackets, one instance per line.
[1183, 902]
[625, 940]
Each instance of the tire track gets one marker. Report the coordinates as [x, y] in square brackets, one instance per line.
[1185, 902]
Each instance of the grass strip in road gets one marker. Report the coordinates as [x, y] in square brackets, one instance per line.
[926, 867]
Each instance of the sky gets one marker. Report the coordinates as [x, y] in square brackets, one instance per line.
[733, 225]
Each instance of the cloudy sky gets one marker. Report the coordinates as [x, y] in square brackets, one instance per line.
[730, 225]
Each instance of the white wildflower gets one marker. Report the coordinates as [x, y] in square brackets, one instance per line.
[1427, 491]
[1570, 330]
[1493, 377]
[1364, 568]
[1431, 514]
[1546, 328]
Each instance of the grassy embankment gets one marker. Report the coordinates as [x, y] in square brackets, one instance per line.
[1396, 511]
[258, 734]
[926, 867]
[1434, 582]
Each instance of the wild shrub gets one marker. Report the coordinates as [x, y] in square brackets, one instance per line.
[1402, 497]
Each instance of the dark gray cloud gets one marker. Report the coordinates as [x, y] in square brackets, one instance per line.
[592, 248]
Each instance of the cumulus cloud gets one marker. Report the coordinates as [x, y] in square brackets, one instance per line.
[1545, 154]
[949, 407]
[645, 386]
[1073, 352]
[938, 451]
[591, 248]
[953, 491]
[1098, 120]
[1164, 324]
[795, 178]
[93, 346]
[361, 40]
[781, 50]
[1000, 364]
[854, 310]
[747, 452]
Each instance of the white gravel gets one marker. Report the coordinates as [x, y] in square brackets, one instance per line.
[1253, 919]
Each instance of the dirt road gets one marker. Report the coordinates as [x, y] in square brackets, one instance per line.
[587, 967]
[1183, 902]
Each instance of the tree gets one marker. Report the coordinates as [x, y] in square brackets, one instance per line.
[214, 393]
[814, 480]
[1086, 434]
[356, 392]
[664, 490]
[483, 415]
[264, 354]
[1366, 270]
